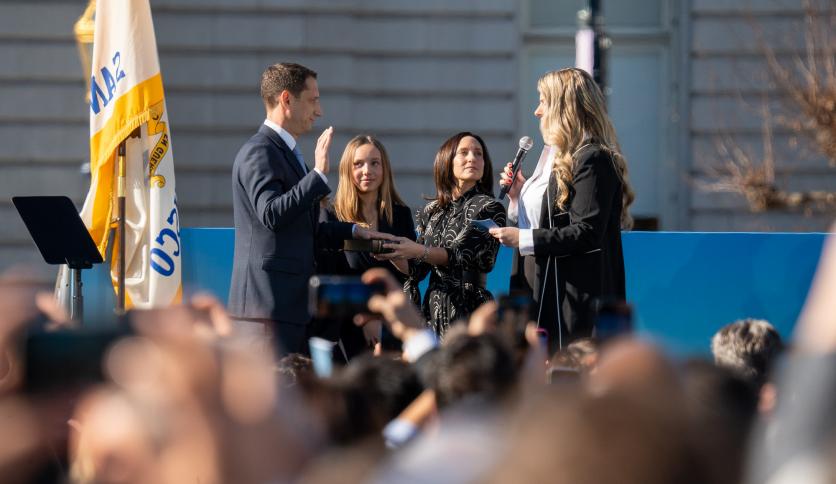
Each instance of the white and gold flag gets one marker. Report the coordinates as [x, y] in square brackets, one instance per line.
[126, 94]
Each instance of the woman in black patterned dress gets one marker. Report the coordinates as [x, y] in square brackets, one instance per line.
[454, 252]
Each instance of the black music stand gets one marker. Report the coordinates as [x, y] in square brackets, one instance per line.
[62, 238]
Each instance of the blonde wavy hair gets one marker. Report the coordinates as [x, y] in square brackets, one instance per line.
[347, 200]
[575, 110]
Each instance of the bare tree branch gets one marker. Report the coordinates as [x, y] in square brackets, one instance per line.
[808, 89]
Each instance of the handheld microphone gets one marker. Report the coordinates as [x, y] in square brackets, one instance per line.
[525, 144]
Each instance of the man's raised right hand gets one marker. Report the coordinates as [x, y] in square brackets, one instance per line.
[321, 153]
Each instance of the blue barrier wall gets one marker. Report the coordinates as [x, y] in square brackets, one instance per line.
[683, 285]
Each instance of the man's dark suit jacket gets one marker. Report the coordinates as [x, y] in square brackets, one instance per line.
[275, 209]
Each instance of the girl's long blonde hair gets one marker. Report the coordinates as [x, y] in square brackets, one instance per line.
[347, 200]
[575, 110]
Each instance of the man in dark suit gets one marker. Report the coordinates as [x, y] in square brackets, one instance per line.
[275, 202]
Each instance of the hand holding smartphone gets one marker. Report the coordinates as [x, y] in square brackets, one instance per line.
[484, 224]
[337, 297]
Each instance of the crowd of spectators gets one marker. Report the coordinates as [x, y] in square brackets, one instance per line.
[179, 399]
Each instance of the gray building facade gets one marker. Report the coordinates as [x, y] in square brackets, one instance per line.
[412, 73]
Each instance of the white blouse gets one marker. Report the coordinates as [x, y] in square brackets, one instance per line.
[530, 201]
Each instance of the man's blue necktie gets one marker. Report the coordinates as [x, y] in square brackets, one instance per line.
[300, 158]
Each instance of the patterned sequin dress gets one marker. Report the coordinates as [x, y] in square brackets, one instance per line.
[450, 296]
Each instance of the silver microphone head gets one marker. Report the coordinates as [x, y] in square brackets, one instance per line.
[526, 143]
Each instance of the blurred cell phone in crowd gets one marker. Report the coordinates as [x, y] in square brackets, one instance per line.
[615, 318]
[339, 297]
[322, 356]
[514, 307]
[513, 314]
[484, 225]
[560, 375]
[67, 360]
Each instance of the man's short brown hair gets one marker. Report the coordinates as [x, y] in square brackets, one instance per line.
[283, 77]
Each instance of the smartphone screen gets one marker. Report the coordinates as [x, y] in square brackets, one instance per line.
[67, 359]
[484, 224]
[339, 297]
[322, 353]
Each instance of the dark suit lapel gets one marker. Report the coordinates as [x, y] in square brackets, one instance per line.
[289, 157]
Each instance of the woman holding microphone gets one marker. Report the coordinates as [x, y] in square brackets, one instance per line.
[570, 213]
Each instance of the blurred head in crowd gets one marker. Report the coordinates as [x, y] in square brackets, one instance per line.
[580, 357]
[748, 347]
[359, 400]
[376, 390]
[721, 408]
[473, 367]
[34, 429]
[637, 368]
[625, 424]
[292, 367]
[585, 352]
[115, 441]
[574, 437]
[182, 405]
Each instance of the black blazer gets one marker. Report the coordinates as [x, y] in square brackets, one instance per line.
[585, 243]
[330, 261]
[275, 211]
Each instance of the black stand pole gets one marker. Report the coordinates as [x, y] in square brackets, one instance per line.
[77, 307]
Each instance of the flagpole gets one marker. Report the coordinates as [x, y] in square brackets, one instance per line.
[120, 231]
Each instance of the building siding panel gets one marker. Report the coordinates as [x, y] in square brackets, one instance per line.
[411, 72]
[728, 88]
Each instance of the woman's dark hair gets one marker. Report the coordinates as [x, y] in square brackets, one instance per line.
[445, 182]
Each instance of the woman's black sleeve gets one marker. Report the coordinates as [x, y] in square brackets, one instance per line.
[418, 271]
[475, 249]
[595, 184]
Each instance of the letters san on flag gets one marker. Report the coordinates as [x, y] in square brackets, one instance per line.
[126, 97]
